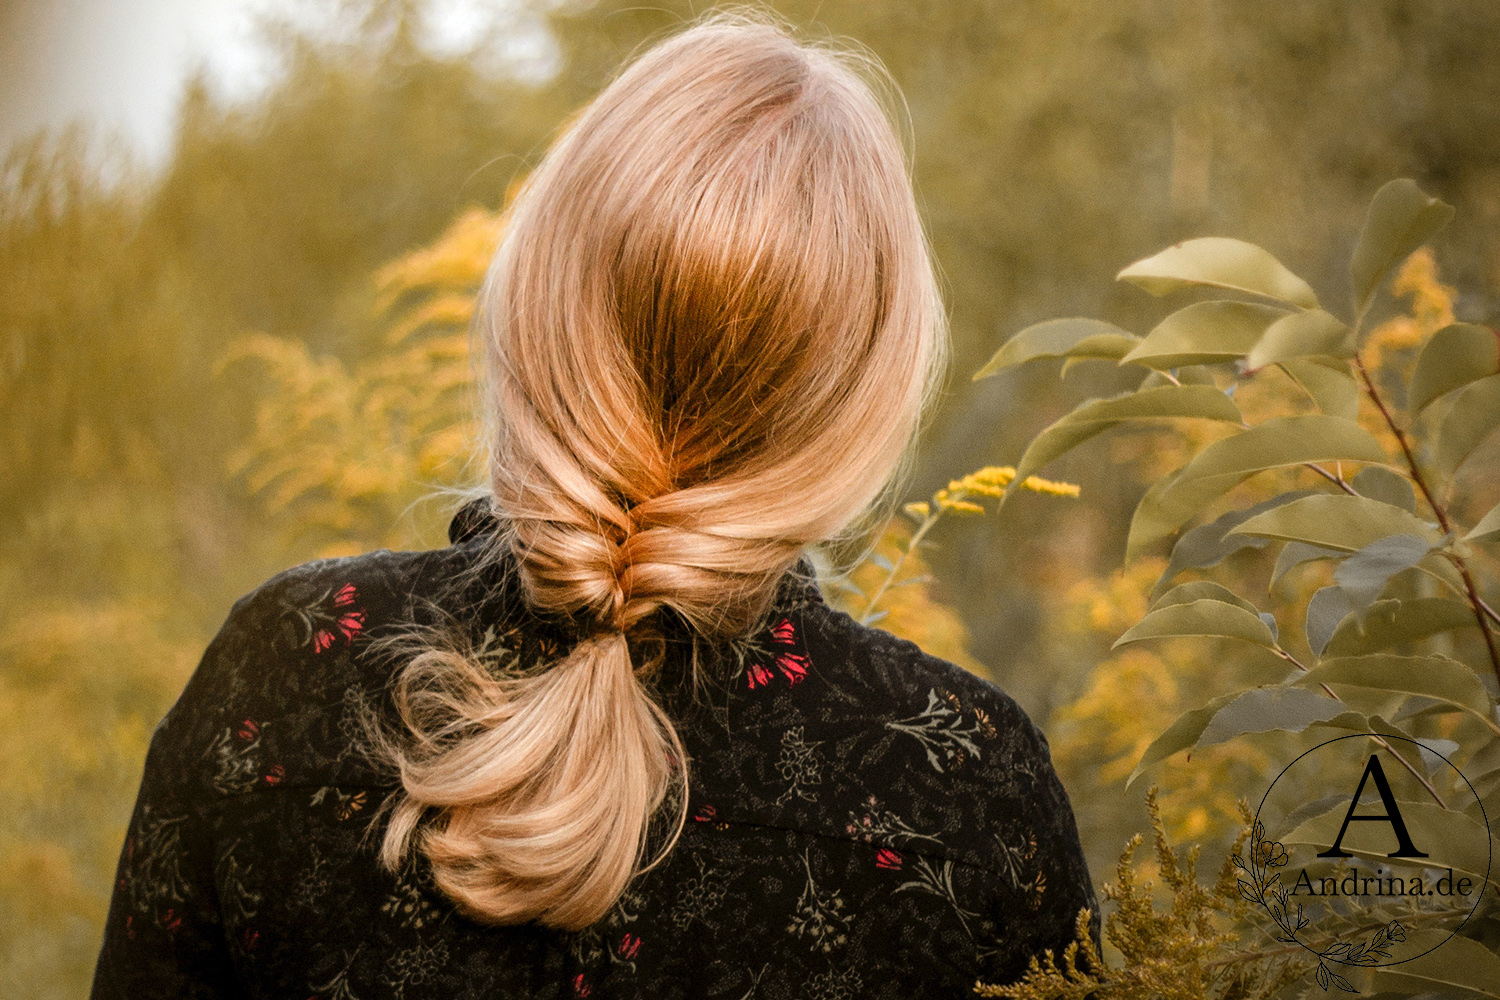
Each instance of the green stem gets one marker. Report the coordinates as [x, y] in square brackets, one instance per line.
[890, 577]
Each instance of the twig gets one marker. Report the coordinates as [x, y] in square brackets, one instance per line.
[1378, 738]
[1475, 603]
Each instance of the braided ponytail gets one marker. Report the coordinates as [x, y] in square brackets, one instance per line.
[709, 334]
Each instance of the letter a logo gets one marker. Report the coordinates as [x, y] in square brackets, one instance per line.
[1392, 815]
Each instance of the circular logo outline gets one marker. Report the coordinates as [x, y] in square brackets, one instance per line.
[1489, 845]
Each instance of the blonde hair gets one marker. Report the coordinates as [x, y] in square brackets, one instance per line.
[709, 335]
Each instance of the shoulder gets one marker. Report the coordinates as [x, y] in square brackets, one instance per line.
[898, 682]
[278, 696]
[850, 729]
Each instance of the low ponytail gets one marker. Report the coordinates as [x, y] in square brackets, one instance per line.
[541, 779]
[708, 335]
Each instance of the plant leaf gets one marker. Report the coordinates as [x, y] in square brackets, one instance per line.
[1328, 383]
[1207, 544]
[1400, 219]
[1488, 528]
[1364, 574]
[1454, 356]
[1449, 962]
[1428, 676]
[1475, 413]
[1392, 623]
[1061, 338]
[1295, 554]
[1313, 333]
[1221, 263]
[1200, 619]
[1218, 468]
[1204, 333]
[1187, 730]
[1336, 521]
[1097, 416]
[1326, 608]
[1262, 710]
[1202, 590]
[1380, 483]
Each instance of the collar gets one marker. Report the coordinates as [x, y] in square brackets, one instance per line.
[798, 586]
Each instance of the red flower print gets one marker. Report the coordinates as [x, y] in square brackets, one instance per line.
[580, 987]
[274, 776]
[629, 945]
[345, 621]
[248, 730]
[129, 928]
[887, 858]
[793, 665]
[706, 814]
[251, 939]
[757, 675]
[784, 632]
[171, 921]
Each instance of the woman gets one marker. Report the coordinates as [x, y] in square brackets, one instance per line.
[612, 742]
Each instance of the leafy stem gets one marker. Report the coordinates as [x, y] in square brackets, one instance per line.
[1444, 524]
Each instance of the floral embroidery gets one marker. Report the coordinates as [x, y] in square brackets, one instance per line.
[941, 730]
[819, 915]
[793, 666]
[842, 984]
[878, 821]
[237, 901]
[414, 966]
[699, 896]
[937, 879]
[235, 758]
[887, 858]
[801, 765]
[331, 617]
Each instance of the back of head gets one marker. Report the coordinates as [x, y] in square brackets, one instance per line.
[709, 334]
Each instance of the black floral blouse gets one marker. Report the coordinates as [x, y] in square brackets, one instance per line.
[866, 820]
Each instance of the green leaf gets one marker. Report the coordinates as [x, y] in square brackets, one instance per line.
[1204, 333]
[1400, 219]
[1488, 528]
[1380, 483]
[1328, 607]
[1294, 554]
[1207, 544]
[1475, 413]
[1328, 383]
[1428, 676]
[1364, 574]
[1202, 590]
[1221, 263]
[1188, 375]
[1393, 623]
[1455, 356]
[1099, 415]
[1336, 521]
[1061, 338]
[1218, 468]
[1313, 333]
[1270, 709]
[1449, 962]
[1200, 619]
[1292, 709]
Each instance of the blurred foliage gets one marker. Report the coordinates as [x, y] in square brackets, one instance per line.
[213, 371]
[1397, 633]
